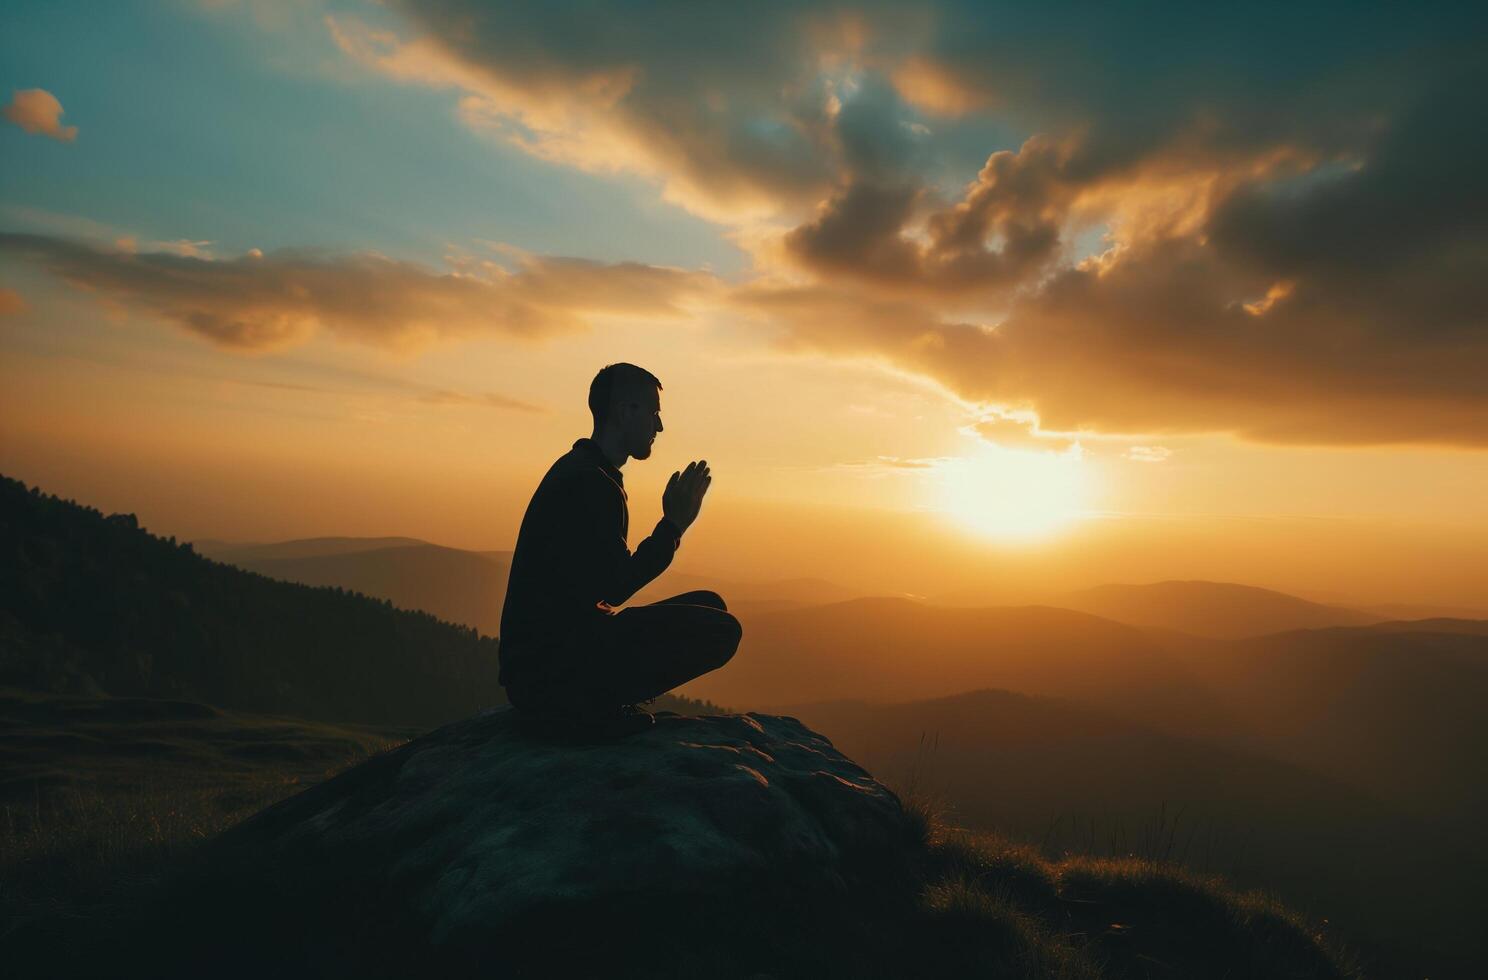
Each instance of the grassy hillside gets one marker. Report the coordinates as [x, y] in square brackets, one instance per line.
[95, 604]
[98, 795]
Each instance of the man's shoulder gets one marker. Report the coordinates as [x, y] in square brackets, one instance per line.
[575, 470]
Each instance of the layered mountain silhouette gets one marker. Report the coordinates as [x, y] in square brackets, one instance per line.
[1396, 708]
[469, 587]
[882, 649]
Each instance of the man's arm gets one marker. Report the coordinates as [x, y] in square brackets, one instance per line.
[607, 567]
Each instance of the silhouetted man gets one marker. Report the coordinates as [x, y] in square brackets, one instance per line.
[565, 650]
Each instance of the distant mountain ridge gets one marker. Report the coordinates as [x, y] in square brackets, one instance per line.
[1220, 609]
[464, 587]
[469, 587]
[299, 548]
[893, 649]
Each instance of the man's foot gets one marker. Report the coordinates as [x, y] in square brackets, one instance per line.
[628, 719]
[601, 724]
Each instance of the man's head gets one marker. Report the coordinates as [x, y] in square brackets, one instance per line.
[626, 406]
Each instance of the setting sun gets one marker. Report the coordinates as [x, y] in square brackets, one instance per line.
[1015, 494]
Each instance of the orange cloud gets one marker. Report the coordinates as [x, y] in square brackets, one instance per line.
[924, 83]
[1019, 431]
[1159, 341]
[11, 302]
[270, 301]
[480, 400]
[37, 111]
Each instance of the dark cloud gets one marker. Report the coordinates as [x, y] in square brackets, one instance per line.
[1005, 230]
[275, 300]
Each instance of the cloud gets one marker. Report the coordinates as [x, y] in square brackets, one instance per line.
[11, 302]
[480, 400]
[1013, 431]
[1161, 341]
[723, 107]
[37, 111]
[1148, 454]
[1252, 221]
[883, 465]
[1318, 275]
[267, 301]
[1017, 202]
[342, 382]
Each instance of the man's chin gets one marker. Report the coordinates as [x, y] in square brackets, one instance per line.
[642, 452]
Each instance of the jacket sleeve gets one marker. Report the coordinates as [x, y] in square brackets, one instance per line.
[606, 566]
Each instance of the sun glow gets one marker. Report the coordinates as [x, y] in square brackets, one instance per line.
[1014, 494]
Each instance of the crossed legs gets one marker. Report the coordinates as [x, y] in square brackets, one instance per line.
[645, 651]
[641, 653]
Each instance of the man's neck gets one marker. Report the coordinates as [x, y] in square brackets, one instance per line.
[611, 448]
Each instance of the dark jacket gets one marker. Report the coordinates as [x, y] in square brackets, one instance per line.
[573, 561]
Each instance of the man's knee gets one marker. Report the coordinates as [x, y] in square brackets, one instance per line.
[707, 597]
[727, 632]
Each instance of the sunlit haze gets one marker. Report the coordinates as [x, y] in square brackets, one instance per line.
[947, 325]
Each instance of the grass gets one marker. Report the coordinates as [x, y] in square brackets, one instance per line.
[1015, 911]
[100, 798]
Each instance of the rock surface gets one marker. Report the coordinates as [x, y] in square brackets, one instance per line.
[480, 824]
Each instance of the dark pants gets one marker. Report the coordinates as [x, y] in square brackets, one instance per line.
[635, 655]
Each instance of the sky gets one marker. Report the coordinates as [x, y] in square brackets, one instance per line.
[953, 297]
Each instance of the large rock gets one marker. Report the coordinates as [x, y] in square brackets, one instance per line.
[466, 837]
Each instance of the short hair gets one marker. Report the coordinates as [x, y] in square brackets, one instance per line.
[610, 379]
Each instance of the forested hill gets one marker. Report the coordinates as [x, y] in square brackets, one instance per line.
[95, 604]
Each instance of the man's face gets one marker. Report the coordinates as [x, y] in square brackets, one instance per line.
[640, 416]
